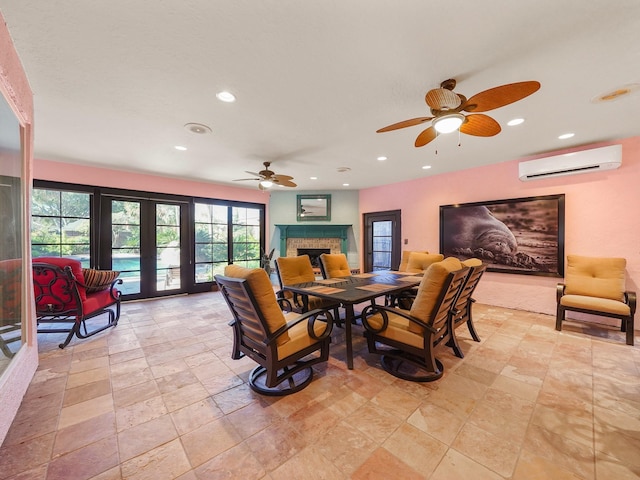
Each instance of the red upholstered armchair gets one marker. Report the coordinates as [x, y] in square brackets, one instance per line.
[64, 297]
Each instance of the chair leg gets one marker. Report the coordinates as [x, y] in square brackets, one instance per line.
[559, 317]
[470, 325]
[628, 323]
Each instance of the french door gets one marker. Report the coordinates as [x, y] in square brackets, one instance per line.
[382, 240]
[147, 243]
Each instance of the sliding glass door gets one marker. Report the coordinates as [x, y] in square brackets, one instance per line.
[147, 244]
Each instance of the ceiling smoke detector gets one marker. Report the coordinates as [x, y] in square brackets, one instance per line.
[198, 128]
[343, 169]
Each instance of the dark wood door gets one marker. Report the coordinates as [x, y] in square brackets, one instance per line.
[382, 240]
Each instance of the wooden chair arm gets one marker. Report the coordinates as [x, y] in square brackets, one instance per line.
[630, 299]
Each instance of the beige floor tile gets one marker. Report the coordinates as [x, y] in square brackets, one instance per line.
[416, 448]
[456, 466]
[165, 462]
[276, 444]
[534, 467]
[82, 411]
[146, 436]
[209, 440]
[561, 451]
[437, 422]
[86, 462]
[382, 464]
[237, 462]
[84, 433]
[494, 452]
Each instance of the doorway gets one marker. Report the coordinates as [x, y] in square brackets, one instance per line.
[383, 248]
[147, 244]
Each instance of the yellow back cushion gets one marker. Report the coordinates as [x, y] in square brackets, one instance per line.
[335, 265]
[295, 269]
[405, 259]
[419, 262]
[472, 262]
[595, 277]
[430, 288]
[262, 289]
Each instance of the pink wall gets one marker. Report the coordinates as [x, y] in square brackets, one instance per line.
[86, 175]
[14, 86]
[601, 212]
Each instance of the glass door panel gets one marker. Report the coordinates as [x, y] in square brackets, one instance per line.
[168, 251]
[382, 245]
[126, 244]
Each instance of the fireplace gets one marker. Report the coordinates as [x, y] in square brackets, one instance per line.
[314, 254]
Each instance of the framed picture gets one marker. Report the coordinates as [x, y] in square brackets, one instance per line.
[519, 235]
[313, 207]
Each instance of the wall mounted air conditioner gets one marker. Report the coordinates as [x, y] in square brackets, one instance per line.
[585, 161]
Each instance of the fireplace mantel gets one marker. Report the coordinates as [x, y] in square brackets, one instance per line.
[313, 231]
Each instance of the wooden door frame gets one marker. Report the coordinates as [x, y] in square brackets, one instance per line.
[395, 216]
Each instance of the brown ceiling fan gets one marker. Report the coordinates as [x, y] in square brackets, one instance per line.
[446, 107]
[267, 178]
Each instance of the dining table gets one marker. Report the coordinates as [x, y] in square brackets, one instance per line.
[354, 289]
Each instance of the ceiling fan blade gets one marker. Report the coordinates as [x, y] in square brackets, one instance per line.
[243, 179]
[253, 173]
[500, 96]
[442, 99]
[425, 137]
[281, 178]
[480, 125]
[287, 183]
[405, 123]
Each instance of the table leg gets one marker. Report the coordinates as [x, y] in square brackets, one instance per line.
[348, 318]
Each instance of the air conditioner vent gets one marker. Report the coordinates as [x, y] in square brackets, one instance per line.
[603, 158]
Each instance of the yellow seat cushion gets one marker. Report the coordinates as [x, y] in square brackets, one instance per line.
[419, 262]
[335, 265]
[430, 288]
[398, 329]
[299, 336]
[405, 258]
[596, 304]
[595, 277]
[262, 289]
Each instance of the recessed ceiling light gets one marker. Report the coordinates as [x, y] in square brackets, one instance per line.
[426, 167]
[198, 128]
[345, 184]
[382, 158]
[313, 178]
[226, 96]
[564, 136]
[180, 147]
[515, 121]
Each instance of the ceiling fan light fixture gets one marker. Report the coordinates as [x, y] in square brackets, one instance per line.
[448, 123]
[266, 183]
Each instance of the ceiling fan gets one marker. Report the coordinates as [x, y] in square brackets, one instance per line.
[446, 107]
[268, 178]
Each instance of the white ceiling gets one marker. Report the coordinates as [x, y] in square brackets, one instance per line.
[115, 81]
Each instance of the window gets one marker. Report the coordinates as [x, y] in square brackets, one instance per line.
[157, 241]
[61, 224]
[211, 240]
[246, 237]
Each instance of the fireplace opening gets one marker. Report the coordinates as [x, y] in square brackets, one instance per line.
[314, 254]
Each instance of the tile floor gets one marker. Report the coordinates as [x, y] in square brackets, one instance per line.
[159, 397]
